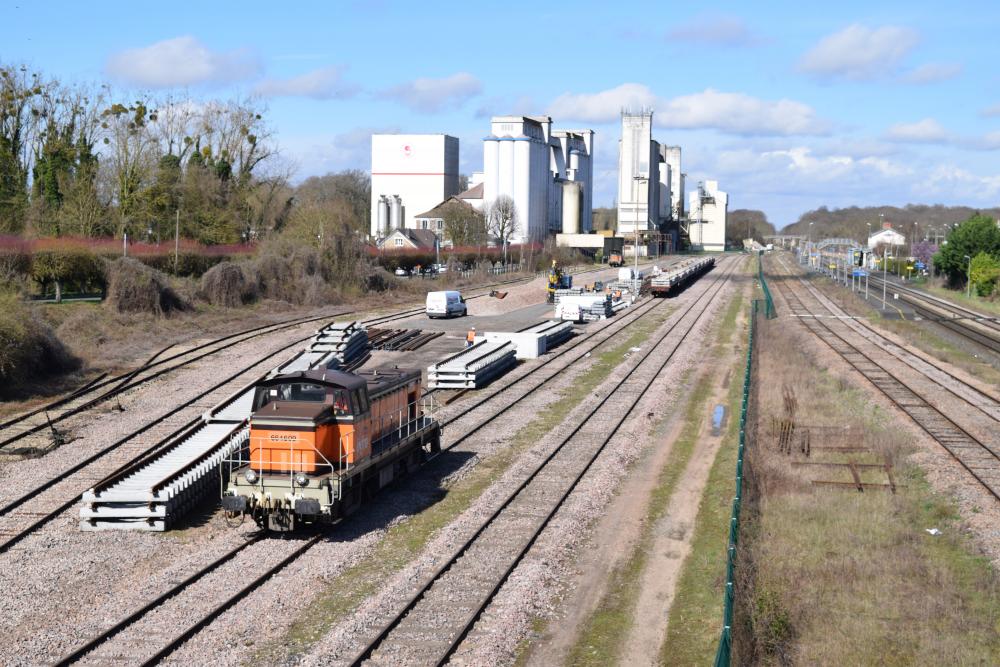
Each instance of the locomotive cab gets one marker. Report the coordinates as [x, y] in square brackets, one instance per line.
[320, 440]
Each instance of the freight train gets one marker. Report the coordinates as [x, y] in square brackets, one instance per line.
[678, 276]
[323, 441]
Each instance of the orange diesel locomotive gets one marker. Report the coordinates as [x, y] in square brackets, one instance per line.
[322, 441]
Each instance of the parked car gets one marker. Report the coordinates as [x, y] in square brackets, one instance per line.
[446, 304]
[400, 271]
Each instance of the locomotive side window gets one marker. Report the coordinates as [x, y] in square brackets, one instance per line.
[361, 401]
[341, 403]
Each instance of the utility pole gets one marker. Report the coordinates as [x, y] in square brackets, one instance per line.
[885, 274]
[177, 238]
[968, 278]
[124, 244]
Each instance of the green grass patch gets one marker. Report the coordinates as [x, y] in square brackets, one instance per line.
[975, 302]
[604, 631]
[404, 540]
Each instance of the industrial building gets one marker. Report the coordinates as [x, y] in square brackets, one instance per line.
[707, 222]
[411, 173]
[650, 181]
[549, 175]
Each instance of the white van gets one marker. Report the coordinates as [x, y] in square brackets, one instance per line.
[445, 304]
[625, 273]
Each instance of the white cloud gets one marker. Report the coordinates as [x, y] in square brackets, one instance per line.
[433, 95]
[322, 84]
[602, 107]
[991, 111]
[716, 30]
[932, 73]
[739, 114]
[956, 182]
[181, 61]
[859, 53]
[735, 113]
[926, 131]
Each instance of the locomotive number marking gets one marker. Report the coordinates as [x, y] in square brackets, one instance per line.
[274, 437]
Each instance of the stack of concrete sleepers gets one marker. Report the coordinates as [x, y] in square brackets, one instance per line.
[473, 367]
[569, 291]
[336, 346]
[585, 308]
[555, 332]
[162, 489]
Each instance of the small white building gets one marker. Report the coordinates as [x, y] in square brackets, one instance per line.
[709, 207]
[409, 239]
[886, 236]
[411, 173]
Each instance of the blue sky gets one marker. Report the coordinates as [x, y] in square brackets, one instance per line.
[790, 108]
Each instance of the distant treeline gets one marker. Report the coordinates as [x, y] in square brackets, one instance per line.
[854, 222]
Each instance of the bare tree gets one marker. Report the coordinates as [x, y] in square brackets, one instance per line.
[502, 221]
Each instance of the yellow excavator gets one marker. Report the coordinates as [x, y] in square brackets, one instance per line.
[557, 280]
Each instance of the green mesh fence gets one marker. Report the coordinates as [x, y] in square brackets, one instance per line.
[723, 654]
[769, 311]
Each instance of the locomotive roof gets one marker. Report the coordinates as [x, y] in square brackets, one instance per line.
[328, 378]
[377, 379]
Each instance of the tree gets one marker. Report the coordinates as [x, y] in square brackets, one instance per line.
[746, 224]
[978, 234]
[134, 151]
[923, 251]
[984, 271]
[502, 221]
[463, 225]
[19, 121]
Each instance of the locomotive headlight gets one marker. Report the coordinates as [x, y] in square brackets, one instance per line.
[250, 476]
[301, 479]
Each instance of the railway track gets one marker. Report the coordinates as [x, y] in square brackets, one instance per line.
[17, 429]
[42, 421]
[34, 508]
[984, 330]
[978, 458]
[129, 639]
[437, 618]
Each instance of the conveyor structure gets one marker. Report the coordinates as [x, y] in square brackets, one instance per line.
[156, 491]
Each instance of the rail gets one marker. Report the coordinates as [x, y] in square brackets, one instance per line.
[723, 655]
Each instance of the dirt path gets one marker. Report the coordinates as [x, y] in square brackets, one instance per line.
[672, 543]
[614, 539]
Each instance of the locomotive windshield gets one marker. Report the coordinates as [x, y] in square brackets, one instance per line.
[307, 392]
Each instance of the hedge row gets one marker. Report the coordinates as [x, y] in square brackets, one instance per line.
[79, 269]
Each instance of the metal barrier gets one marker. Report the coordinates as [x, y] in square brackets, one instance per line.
[769, 310]
[723, 654]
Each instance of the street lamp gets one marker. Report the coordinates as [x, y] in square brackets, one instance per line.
[968, 278]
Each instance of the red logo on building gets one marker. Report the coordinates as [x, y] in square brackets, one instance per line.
[407, 150]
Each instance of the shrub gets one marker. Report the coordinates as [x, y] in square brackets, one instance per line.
[28, 348]
[134, 287]
[984, 272]
[227, 285]
[68, 267]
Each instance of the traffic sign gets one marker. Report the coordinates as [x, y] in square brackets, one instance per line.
[861, 273]
[920, 265]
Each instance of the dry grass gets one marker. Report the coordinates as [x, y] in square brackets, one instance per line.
[134, 287]
[227, 285]
[833, 576]
[29, 350]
